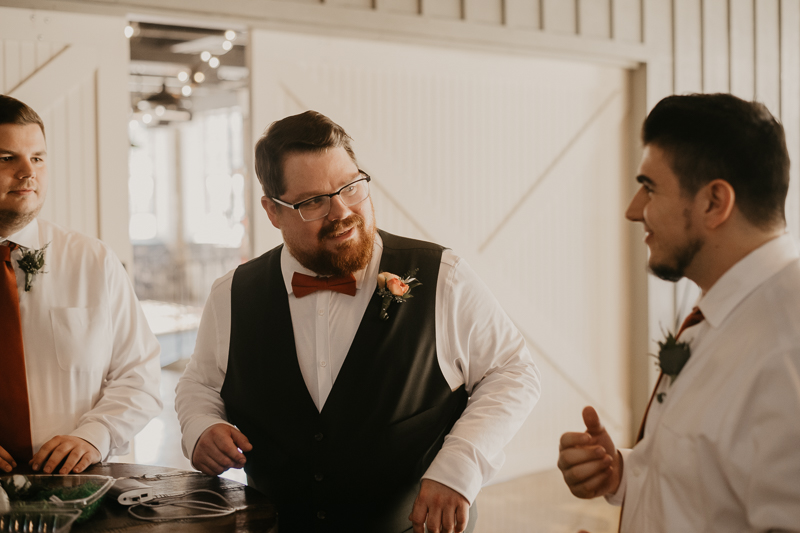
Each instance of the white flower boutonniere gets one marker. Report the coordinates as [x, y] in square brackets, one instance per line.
[393, 288]
[32, 263]
[672, 356]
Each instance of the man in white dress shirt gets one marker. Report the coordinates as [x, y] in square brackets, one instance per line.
[349, 418]
[79, 367]
[718, 450]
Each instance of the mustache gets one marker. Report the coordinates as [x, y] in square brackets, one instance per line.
[339, 226]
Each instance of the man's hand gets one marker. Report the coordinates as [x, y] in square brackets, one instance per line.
[219, 448]
[589, 461]
[446, 510]
[6, 461]
[76, 453]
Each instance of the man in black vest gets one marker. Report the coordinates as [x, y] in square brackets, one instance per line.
[353, 406]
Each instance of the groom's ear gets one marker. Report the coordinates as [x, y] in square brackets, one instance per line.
[718, 200]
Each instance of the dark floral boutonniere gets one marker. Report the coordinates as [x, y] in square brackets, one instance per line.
[393, 288]
[32, 263]
[672, 356]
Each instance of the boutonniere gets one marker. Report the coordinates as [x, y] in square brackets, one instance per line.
[393, 288]
[672, 356]
[32, 263]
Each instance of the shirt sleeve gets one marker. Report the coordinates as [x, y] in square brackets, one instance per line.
[619, 496]
[480, 347]
[198, 401]
[130, 396]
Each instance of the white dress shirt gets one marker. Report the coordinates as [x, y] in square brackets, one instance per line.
[722, 452]
[91, 361]
[477, 346]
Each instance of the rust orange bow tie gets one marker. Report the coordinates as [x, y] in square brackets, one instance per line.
[303, 285]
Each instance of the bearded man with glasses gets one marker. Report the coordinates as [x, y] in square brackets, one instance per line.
[350, 415]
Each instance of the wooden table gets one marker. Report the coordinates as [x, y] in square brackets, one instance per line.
[256, 514]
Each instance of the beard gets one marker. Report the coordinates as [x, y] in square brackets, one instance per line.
[12, 221]
[350, 256]
[682, 257]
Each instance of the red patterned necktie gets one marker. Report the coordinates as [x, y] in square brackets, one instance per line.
[15, 419]
[692, 319]
[303, 285]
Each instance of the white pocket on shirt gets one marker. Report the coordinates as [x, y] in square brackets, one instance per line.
[82, 337]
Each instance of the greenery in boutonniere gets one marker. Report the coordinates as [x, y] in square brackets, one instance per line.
[393, 288]
[672, 356]
[32, 263]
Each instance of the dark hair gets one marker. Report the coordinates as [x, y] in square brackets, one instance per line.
[12, 111]
[720, 136]
[306, 132]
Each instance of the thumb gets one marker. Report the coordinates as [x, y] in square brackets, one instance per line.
[240, 440]
[592, 421]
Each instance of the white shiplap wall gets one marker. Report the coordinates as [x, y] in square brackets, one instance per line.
[748, 47]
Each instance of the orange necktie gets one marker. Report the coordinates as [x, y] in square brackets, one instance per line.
[15, 419]
[303, 285]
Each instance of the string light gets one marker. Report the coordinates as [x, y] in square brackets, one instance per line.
[213, 62]
[128, 31]
[230, 35]
[160, 110]
[186, 90]
[227, 45]
[147, 119]
[199, 77]
[183, 75]
[205, 55]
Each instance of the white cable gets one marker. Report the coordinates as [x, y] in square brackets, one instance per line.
[215, 510]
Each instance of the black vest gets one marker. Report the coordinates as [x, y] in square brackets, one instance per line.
[355, 466]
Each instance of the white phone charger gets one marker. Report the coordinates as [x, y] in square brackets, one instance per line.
[130, 492]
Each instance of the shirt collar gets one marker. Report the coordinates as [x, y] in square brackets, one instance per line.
[27, 237]
[743, 277]
[290, 265]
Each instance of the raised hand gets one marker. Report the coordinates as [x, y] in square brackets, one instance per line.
[589, 461]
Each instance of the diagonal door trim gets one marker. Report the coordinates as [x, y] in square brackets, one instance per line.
[546, 172]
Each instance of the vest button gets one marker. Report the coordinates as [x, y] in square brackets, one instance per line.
[318, 437]
[318, 476]
[321, 515]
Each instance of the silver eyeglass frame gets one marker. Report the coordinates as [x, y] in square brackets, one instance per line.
[364, 177]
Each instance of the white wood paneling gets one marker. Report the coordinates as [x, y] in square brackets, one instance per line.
[484, 12]
[398, 6]
[478, 152]
[523, 14]
[446, 9]
[70, 67]
[687, 46]
[626, 20]
[790, 103]
[742, 39]
[559, 16]
[767, 54]
[716, 78]
[594, 18]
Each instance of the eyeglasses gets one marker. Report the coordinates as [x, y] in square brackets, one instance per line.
[319, 206]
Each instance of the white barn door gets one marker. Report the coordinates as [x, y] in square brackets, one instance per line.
[518, 164]
[73, 70]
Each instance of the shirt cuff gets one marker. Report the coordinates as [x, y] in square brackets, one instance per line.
[619, 496]
[450, 470]
[97, 435]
